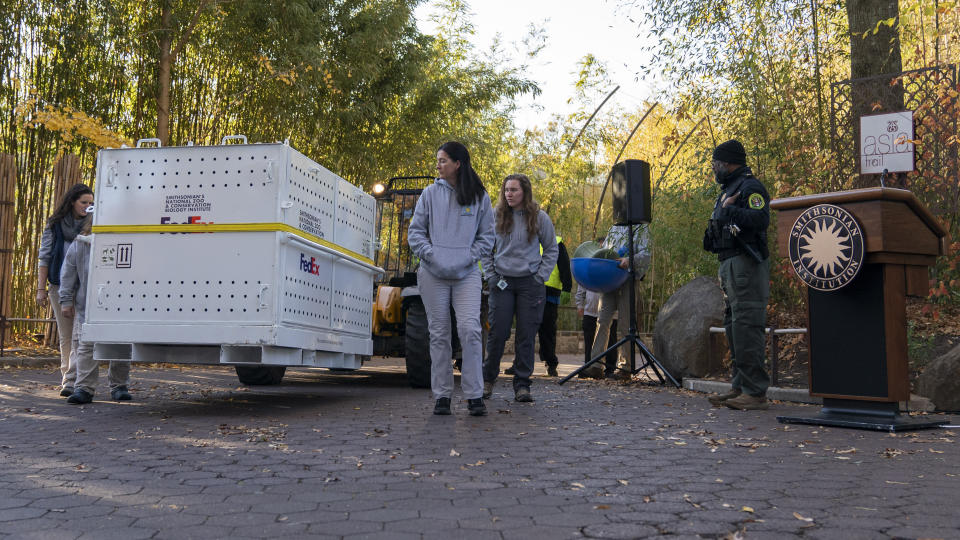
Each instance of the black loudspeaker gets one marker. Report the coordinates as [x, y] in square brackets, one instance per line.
[631, 192]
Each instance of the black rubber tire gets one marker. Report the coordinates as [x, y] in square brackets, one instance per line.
[417, 345]
[260, 375]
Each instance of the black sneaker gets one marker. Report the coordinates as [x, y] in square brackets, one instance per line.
[552, 371]
[442, 406]
[592, 372]
[80, 397]
[67, 391]
[120, 393]
[523, 395]
[509, 371]
[476, 407]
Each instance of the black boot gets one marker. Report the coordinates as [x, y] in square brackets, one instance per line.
[476, 407]
[442, 406]
[80, 397]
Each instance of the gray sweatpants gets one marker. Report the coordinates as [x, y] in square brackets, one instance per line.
[525, 298]
[618, 302]
[68, 370]
[88, 369]
[464, 295]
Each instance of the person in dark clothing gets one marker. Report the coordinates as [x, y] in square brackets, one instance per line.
[558, 292]
[737, 233]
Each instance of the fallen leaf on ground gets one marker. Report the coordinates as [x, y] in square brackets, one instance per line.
[746, 509]
[801, 518]
[454, 453]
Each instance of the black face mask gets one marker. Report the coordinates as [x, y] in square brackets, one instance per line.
[719, 173]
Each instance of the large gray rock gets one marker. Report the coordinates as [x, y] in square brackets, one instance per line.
[681, 334]
[940, 381]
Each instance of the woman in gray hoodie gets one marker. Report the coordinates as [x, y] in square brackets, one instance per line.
[451, 231]
[523, 257]
[73, 300]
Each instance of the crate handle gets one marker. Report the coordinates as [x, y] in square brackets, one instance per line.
[100, 289]
[234, 138]
[263, 289]
[286, 205]
[141, 142]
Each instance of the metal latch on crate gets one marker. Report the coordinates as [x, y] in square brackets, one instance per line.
[261, 298]
[271, 170]
[369, 246]
[112, 174]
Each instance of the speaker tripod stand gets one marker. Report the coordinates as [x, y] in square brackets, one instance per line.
[631, 340]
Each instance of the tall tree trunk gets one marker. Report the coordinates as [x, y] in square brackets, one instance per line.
[873, 53]
[163, 72]
[816, 70]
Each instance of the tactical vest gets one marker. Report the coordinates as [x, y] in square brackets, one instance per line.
[725, 245]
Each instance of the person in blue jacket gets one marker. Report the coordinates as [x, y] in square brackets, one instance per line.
[451, 231]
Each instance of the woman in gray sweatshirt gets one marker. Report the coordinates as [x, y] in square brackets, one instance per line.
[451, 231]
[73, 301]
[523, 257]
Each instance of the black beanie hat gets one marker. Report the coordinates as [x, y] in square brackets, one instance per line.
[730, 152]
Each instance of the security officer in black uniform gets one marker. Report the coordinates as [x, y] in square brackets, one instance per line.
[737, 233]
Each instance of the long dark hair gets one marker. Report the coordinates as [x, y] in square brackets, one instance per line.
[66, 202]
[469, 187]
[529, 206]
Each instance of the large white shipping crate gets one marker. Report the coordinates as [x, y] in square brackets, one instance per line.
[232, 184]
[244, 283]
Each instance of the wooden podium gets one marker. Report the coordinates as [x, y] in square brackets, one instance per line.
[856, 301]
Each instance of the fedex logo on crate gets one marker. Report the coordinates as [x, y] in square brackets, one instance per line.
[191, 220]
[310, 265]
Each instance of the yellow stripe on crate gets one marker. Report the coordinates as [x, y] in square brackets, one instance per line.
[229, 227]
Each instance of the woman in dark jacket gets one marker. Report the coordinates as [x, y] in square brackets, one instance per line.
[61, 229]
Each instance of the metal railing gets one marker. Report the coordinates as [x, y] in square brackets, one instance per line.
[3, 328]
[774, 333]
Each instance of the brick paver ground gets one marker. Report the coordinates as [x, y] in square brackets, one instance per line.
[361, 456]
